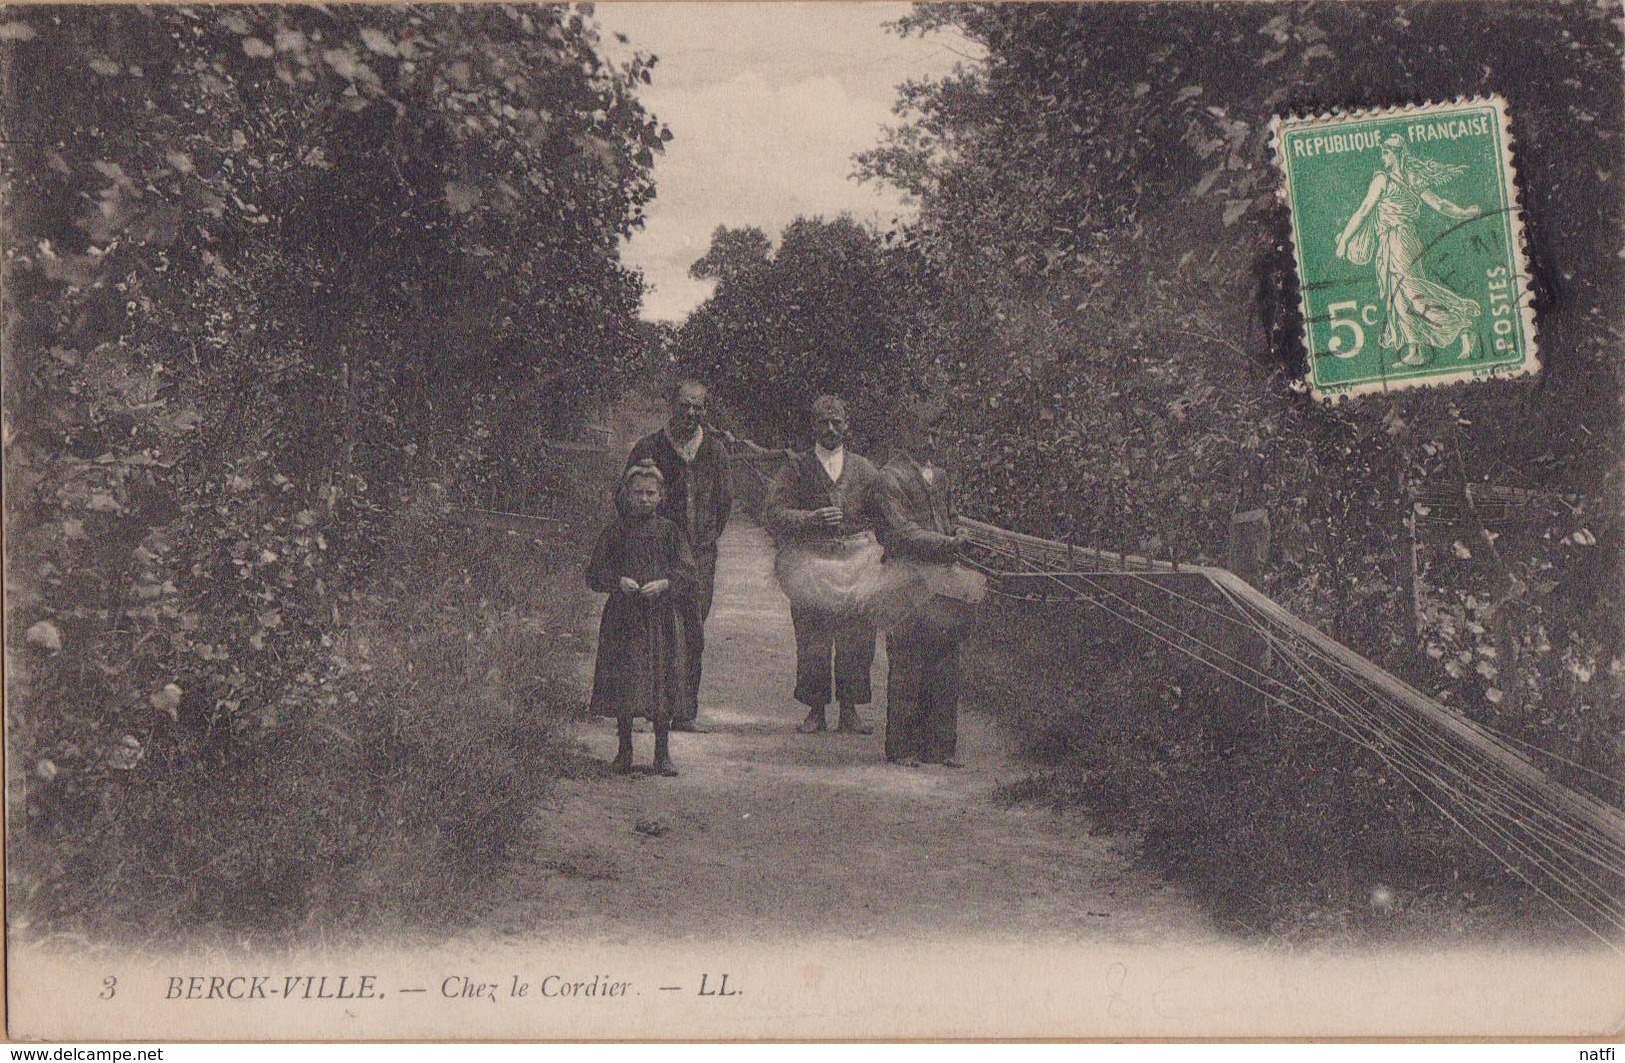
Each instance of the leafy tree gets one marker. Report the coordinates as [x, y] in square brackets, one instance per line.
[818, 314]
[1110, 301]
[267, 268]
[733, 253]
[1106, 299]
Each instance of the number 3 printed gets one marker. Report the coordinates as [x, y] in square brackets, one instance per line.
[109, 987]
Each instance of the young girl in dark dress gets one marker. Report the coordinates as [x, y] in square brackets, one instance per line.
[643, 562]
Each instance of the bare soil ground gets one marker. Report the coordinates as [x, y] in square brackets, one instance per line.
[769, 833]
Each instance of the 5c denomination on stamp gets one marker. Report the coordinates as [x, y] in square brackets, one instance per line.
[1408, 245]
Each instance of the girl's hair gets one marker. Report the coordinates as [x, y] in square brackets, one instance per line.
[643, 470]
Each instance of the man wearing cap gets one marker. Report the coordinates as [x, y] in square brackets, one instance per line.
[822, 510]
[699, 500]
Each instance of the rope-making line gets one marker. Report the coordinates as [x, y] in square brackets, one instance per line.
[1567, 846]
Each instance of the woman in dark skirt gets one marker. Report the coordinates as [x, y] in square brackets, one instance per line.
[643, 562]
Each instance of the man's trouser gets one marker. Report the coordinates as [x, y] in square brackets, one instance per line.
[922, 694]
[828, 647]
[699, 609]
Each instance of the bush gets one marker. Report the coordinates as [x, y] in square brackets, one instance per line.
[389, 777]
[268, 271]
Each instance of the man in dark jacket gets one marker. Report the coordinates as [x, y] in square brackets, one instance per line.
[821, 508]
[698, 499]
[922, 685]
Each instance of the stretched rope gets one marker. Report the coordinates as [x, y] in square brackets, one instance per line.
[1567, 846]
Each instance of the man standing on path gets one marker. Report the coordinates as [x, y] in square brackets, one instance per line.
[821, 508]
[698, 499]
[922, 689]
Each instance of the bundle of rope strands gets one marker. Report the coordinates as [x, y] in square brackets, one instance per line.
[1567, 845]
[850, 581]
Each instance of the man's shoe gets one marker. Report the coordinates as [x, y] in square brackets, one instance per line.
[904, 762]
[689, 726]
[851, 723]
[814, 723]
[952, 763]
[665, 767]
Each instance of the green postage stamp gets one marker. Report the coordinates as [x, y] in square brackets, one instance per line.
[1409, 246]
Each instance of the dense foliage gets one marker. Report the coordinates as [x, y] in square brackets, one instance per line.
[824, 311]
[267, 269]
[1116, 319]
[1098, 288]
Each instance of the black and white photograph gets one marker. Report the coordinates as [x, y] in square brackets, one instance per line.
[814, 521]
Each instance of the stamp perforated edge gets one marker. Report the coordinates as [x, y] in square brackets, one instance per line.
[1280, 124]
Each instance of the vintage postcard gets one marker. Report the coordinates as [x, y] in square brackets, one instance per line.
[1388, 300]
[809, 521]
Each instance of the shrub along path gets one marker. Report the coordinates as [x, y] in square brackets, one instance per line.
[768, 832]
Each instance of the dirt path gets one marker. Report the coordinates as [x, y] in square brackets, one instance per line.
[769, 832]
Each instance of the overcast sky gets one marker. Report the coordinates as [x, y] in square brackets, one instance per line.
[767, 103]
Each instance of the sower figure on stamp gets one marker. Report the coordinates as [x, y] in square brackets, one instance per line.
[922, 646]
[1417, 312]
[642, 561]
[821, 508]
[698, 499]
